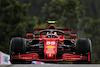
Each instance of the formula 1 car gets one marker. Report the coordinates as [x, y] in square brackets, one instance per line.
[50, 45]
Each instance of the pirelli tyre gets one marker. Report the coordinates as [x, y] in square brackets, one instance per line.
[83, 45]
[18, 45]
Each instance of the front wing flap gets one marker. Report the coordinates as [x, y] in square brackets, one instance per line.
[65, 57]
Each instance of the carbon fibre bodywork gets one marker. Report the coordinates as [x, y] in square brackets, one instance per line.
[51, 44]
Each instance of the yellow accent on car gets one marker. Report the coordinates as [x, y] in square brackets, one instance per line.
[69, 58]
[51, 22]
[50, 46]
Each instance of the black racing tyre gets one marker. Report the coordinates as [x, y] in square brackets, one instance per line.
[18, 45]
[83, 45]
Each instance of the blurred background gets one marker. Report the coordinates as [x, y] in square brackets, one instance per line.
[18, 17]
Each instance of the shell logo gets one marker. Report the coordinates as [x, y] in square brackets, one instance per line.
[50, 46]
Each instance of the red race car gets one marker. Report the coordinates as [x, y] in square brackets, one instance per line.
[50, 45]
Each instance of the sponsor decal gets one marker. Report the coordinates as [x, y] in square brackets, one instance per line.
[49, 51]
[50, 46]
[27, 57]
[6, 59]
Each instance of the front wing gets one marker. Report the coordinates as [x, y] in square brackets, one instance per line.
[65, 57]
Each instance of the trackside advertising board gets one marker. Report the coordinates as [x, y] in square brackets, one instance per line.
[4, 58]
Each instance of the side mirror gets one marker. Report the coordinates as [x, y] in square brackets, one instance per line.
[73, 35]
[29, 35]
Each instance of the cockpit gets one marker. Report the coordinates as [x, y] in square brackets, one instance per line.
[51, 33]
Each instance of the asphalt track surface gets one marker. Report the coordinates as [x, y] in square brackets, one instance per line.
[52, 65]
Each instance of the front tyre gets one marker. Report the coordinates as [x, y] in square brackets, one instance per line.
[18, 46]
[84, 47]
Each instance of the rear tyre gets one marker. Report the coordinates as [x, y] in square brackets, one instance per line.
[83, 46]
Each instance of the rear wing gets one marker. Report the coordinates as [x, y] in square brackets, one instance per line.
[66, 31]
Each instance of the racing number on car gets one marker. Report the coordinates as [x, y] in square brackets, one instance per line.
[50, 42]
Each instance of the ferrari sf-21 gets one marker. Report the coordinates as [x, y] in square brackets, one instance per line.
[50, 45]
